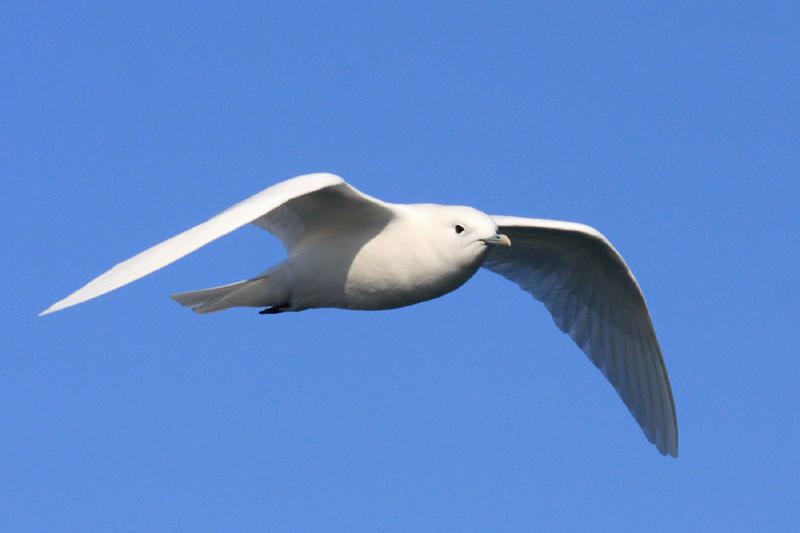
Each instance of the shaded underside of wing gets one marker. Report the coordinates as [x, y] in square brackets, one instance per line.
[594, 298]
[190, 240]
[331, 210]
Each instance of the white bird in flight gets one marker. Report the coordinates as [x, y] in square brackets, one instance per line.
[352, 251]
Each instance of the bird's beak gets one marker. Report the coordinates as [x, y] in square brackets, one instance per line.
[497, 240]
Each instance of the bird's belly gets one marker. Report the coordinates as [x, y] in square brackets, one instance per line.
[380, 273]
[393, 281]
[389, 293]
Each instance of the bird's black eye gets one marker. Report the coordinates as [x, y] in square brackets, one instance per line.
[459, 228]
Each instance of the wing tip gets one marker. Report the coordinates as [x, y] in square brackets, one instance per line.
[669, 449]
[666, 441]
[58, 306]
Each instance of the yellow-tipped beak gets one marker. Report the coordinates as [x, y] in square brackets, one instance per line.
[498, 240]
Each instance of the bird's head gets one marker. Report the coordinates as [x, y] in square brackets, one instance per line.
[467, 231]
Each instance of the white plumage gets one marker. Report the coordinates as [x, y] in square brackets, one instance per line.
[349, 250]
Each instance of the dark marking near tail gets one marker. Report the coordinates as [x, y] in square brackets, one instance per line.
[274, 310]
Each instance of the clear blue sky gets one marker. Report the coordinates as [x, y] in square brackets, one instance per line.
[674, 130]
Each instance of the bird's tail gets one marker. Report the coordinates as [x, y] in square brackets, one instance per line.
[256, 292]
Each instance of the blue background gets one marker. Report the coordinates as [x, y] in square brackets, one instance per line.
[672, 129]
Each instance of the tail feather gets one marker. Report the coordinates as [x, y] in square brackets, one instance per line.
[250, 293]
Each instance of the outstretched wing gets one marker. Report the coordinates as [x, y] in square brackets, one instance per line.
[335, 209]
[300, 208]
[593, 296]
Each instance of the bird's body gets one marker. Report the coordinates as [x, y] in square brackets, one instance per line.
[384, 257]
[372, 272]
[352, 251]
[392, 269]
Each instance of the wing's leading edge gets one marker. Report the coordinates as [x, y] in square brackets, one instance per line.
[172, 249]
[593, 296]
